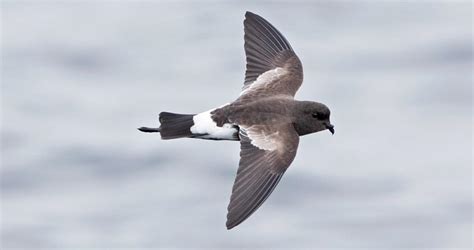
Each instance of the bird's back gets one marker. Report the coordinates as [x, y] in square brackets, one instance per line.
[261, 111]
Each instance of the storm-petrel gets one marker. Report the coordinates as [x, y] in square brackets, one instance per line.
[265, 118]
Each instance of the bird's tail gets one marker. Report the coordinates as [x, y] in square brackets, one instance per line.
[172, 126]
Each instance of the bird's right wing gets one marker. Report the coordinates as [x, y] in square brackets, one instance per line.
[265, 154]
[272, 66]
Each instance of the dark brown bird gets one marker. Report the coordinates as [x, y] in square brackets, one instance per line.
[265, 118]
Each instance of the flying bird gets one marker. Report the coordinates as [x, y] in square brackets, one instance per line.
[265, 118]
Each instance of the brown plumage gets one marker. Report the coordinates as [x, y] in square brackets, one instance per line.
[265, 118]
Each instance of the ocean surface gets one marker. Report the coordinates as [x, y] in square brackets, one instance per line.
[78, 78]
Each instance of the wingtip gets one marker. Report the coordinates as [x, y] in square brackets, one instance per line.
[249, 14]
[229, 225]
[231, 222]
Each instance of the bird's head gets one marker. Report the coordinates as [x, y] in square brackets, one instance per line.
[312, 117]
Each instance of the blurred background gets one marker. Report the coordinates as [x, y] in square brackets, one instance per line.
[79, 78]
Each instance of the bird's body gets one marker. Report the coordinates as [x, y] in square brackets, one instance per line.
[265, 118]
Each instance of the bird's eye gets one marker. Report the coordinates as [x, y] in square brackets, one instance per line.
[319, 116]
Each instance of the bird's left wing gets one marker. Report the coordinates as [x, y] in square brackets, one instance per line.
[265, 154]
[272, 66]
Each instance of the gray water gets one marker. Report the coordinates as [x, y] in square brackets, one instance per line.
[79, 78]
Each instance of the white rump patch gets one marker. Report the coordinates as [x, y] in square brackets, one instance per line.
[203, 124]
[265, 78]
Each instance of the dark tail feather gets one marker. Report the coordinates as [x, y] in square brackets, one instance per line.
[175, 125]
[149, 130]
